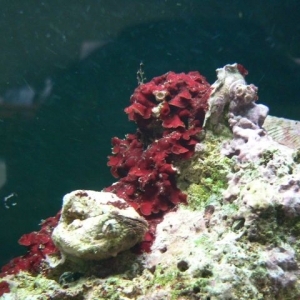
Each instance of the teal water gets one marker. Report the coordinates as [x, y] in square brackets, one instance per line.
[68, 70]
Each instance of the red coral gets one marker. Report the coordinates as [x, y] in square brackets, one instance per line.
[242, 70]
[169, 112]
[4, 288]
[149, 184]
[185, 100]
[39, 245]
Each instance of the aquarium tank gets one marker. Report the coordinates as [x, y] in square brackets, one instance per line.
[150, 149]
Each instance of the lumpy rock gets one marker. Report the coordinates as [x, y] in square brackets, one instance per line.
[97, 225]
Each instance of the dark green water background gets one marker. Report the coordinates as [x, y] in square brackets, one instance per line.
[63, 143]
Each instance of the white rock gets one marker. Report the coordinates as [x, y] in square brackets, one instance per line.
[97, 225]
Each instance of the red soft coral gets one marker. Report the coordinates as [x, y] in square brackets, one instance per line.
[169, 112]
[4, 288]
[39, 245]
[186, 93]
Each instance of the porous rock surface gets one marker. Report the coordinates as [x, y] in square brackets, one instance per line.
[97, 225]
[241, 239]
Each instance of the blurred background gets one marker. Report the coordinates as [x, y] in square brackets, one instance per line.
[68, 69]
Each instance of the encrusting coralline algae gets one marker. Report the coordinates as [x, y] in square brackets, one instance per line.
[236, 238]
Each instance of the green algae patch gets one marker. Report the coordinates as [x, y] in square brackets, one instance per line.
[203, 177]
[178, 284]
[163, 278]
[27, 286]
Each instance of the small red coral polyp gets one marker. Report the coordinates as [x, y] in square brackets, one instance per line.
[169, 112]
[39, 245]
[4, 288]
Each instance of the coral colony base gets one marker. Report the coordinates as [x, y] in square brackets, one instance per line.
[206, 206]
